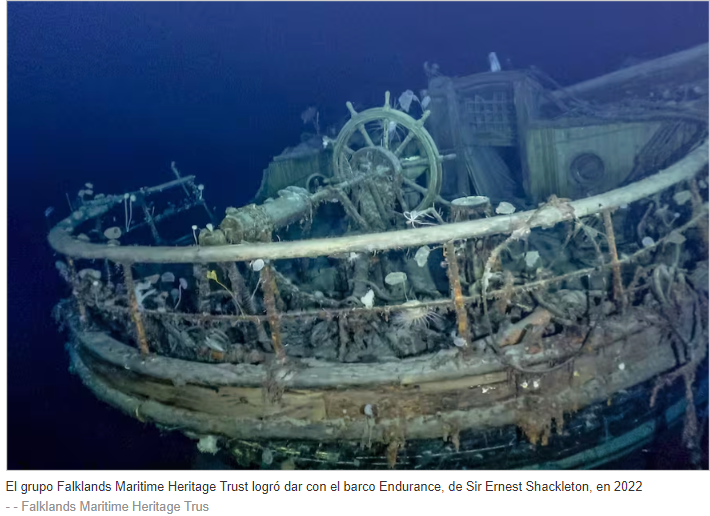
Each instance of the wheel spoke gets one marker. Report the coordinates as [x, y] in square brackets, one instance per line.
[404, 143]
[364, 134]
[411, 163]
[386, 133]
[348, 150]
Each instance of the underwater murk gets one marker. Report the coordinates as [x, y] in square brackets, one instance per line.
[488, 271]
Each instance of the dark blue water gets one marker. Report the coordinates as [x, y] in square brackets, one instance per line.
[112, 93]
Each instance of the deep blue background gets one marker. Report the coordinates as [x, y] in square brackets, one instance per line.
[112, 93]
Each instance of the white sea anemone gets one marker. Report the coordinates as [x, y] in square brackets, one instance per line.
[422, 255]
[682, 197]
[415, 317]
[647, 241]
[113, 233]
[505, 208]
[395, 278]
[531, 258]
[208, 444]
[368, 299]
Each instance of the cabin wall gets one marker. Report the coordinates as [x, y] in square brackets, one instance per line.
[483, 111]
[293, 172]
[552, 151]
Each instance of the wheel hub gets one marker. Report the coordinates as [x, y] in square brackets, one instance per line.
[375, 159]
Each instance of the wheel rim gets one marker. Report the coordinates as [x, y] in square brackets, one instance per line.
[389, 152]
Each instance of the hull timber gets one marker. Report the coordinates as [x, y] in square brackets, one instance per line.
[445, 404]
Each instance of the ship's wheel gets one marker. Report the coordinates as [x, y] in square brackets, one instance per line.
[391, 141]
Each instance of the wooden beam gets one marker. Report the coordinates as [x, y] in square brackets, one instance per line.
[61, 240]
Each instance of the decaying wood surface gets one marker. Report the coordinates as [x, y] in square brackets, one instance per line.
[311, 373]
[539, 318]
[61, 240]
[327, 414]
[675, 69]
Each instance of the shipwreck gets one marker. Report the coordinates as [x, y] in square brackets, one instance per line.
[497, 273]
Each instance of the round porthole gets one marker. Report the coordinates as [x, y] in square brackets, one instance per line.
[587, 168]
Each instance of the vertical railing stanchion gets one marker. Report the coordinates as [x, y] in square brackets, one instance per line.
[455, 285]
[133, 307]
[83, 320]
[148, 216]
[619, 295]
[199, 272]
[268, 286]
